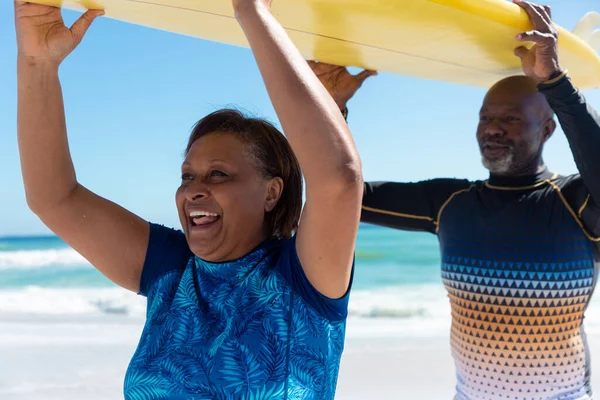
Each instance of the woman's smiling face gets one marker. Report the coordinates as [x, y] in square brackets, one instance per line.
[223, 198]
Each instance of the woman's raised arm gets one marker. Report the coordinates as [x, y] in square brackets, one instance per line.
[111, 238]
[323, 145]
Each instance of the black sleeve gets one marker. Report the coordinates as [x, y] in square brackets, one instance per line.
[581, 125]
[409, 206]
[581, 205]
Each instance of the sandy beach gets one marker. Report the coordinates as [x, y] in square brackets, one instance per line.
[58, 357]
[86, 358]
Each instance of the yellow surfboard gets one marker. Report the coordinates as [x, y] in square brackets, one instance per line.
[462, 41]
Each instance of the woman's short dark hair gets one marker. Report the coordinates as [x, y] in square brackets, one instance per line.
[273, 157]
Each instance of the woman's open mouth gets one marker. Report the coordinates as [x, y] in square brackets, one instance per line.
[203, 219]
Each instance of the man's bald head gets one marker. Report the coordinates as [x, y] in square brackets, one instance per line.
[515, 123]
[520, 89]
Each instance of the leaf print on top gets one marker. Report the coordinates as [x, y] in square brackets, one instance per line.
[145, 386]
[306, 319]
[271, 357]
[241, 368]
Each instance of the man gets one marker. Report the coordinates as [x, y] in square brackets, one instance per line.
[520, 251]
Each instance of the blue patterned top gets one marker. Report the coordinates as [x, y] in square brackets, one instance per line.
[254, 328]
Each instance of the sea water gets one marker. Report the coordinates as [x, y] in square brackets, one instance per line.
[397, 289]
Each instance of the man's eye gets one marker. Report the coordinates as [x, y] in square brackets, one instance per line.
[187, 177]
[217, 173]
[513, 119]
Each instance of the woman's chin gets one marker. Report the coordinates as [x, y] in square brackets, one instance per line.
[206, 249]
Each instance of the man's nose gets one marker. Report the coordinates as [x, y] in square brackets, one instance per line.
[494, 128]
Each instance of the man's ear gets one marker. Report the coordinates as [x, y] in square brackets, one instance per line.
[549, 129]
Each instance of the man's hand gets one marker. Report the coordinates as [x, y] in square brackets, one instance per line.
[541, 61]
[340, 84]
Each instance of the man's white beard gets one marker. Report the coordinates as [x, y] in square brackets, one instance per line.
[500, 166]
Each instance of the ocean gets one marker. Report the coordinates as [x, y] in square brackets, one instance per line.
[397, 288]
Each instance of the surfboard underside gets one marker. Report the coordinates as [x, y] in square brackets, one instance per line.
[467, 42]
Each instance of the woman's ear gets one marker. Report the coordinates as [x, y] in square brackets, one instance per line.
[274, 191]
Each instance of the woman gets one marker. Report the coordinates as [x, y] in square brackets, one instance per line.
[251, 300]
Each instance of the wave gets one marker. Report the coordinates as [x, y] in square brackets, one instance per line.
[40, 258]
[399, 302]
[35, 300]
[403, 302]
[410, 311]
[392, 312]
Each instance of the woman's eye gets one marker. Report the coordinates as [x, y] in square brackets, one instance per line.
[217, 173]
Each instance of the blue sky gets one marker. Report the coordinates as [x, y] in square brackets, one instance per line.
[132, 95]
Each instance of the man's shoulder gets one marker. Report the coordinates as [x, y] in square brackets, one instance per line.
[455, 183]
[572, 189]
[565, 181]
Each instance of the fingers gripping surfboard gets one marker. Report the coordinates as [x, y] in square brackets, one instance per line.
[467, 42]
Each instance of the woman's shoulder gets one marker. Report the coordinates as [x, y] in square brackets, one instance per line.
[286, 263]
[167, 242]
[167, 251]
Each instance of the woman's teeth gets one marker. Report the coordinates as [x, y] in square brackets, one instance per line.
[203, 217]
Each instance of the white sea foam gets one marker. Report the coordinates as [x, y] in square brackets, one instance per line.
[46, 301]
[400, 302]
[420, 310]
[403, 302]
[40, 258]
[394, 303]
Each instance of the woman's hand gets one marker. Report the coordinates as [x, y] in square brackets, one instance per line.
[241, 6]
[42, 35]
